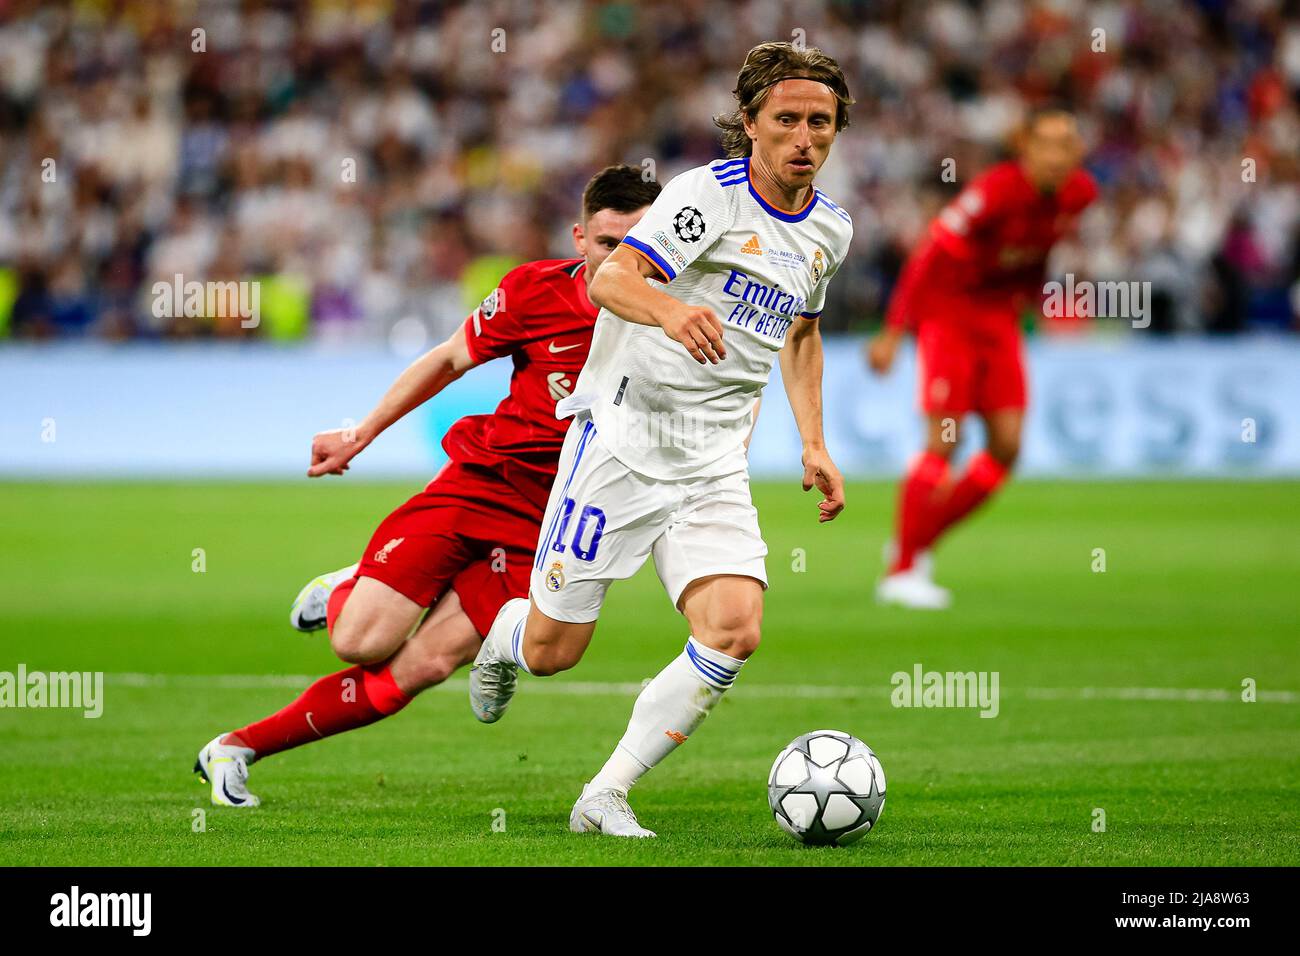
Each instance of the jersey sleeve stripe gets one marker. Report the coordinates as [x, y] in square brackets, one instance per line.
[636, 245]
[834, 208]
[732, 173]
[810, 315]
[471, 339]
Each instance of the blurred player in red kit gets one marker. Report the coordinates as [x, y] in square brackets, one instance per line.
[962, 291]
[464, 545]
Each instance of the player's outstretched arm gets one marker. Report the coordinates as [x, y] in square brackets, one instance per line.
[801, 371]
[619, 285]
[424, 378]
[883, 348]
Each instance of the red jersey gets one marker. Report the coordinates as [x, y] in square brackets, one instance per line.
[541, 317]
[985, 254]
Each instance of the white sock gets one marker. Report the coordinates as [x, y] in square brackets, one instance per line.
[506, 636]
[667, 711]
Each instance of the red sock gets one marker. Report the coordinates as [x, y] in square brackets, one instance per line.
[344, 701]
[982, 477]
[916, 506]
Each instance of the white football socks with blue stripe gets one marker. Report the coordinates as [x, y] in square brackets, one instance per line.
[506, 635]
[667, 711]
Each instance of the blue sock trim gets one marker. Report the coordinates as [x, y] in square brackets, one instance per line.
[713, 672]
[517, 644]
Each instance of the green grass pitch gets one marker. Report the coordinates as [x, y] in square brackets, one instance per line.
[1199, 592]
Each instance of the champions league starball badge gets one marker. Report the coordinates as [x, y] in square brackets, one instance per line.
[688, 224]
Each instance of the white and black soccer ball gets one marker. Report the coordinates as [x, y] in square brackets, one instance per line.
[688, 224]
[826, 788]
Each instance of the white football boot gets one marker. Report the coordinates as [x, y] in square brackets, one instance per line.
[922, 561]
[493, 680]
[605, 811]
[226, 769]
[308, 611]
[912, 589]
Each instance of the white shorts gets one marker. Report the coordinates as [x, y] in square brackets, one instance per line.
[603, 520]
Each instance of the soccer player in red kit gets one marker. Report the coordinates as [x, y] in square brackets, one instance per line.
[961, 292]
[464, 545]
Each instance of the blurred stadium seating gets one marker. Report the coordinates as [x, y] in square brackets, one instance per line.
[216, 139]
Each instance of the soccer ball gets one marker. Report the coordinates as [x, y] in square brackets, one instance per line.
[826, 788]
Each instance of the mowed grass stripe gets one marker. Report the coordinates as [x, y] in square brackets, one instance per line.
[1138, 672]
[569, 688]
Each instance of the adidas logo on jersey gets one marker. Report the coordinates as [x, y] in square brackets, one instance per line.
[752, 247]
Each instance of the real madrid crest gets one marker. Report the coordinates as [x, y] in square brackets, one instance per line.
[555, 576]
[818, 266]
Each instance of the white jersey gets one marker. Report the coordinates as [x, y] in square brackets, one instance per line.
[716, 242]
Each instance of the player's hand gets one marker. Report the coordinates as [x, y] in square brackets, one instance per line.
[881, 351]
[820, 471]
[332, 450]
[698, 329]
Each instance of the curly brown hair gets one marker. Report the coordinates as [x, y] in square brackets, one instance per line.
[766, 65]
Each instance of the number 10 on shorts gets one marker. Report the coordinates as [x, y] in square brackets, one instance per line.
[591, 515]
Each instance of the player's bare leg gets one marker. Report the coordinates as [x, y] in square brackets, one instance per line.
[357, 696]
[522, 636]
[444, 643]
[373, 623]
[921, 497]
[1004, 429]
[551, 646]
[725, 613]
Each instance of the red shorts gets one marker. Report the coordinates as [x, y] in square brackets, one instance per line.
[468, 530]
[970, 368]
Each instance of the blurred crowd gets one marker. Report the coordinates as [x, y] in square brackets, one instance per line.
[376, 166]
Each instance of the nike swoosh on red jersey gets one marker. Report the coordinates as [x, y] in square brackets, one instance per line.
[564, 348]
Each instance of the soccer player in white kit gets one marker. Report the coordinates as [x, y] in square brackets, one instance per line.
[727, 270]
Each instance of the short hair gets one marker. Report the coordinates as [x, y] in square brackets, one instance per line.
[766, 65]
[621, 187]
[1041, 111]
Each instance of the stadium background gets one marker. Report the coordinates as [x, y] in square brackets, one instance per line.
[1121, 691]
[376, 167]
